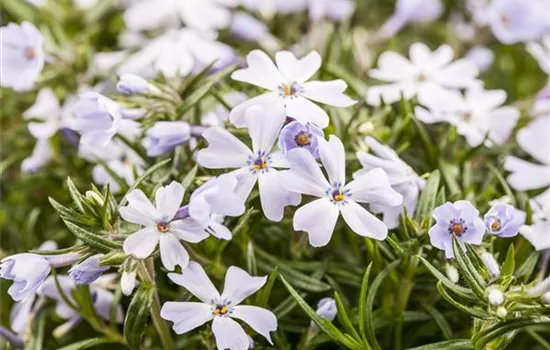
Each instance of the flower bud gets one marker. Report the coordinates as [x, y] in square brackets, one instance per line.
[491, 264]
[502, 312]
[94, 198]
[452, 273]
[87, 271]
[540, 289]
[130, 84]
[128, 278]
[496, 297]
[327, 308]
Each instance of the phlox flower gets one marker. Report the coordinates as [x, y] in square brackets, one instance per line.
[160, 227]
[402, 179]
[541, 52]
[318, 218]
[534, 140]
[258, 164]
[541, 106]
[295, 135]
[476, 114]
[410, 11]
[504, 220]
[163, 137]
[22, 56]
[538, 233]
[289, 86]
[222, 309]
[481, 56]
[424, 73]
[459, 219]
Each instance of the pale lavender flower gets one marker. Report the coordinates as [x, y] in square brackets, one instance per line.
[336, 10]
[248, 28]
[295, 135]
[20, 314]
[163, 137]
[326, 308]
[22, 56]
[410, 11]
[258, 164]
[481, 56]
[289, 87]
[538, 233]
[88, 271]
[504, 220]
[130, 84]
[40, 155]
[541, 106]
[220, 309]
[402, 179]
[318, 218]
[459, 219]
[541, 52]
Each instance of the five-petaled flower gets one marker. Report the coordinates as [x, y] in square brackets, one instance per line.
[289, 86]
[220, 309]
[319, 217]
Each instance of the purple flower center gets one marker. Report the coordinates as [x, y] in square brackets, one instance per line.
[338, 195]
[260, 163]
[162, 227]
[303, 139]
[457, 227]
[221, 310]
[290, 89]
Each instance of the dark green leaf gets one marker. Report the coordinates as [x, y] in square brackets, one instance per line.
[137, 315]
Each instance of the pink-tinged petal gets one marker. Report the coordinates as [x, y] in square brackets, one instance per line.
[318, 219]
[142, 243]
[186, 315]
[261, 71]
[229, 334]
[172, 252]
[328, 92]
[237, 116]
[224, 150]
[168, 199]
[374, 187]
[259, 319]
[194, 279]
[305, 175]
[526, 175]
[297, 70]
[273, 196]
[264, 125]
[534, 139]
[333, 157]
[393, 67]
[239, 285]
[139, 203]
[305, 111]
[362, 222]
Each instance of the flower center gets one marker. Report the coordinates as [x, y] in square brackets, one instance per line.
[162, 227]
[422, 77]
[260, 163]
[221, 310]
[457, 227]
[467, 117]
[290, 89]
[504, 19]
[29, 53]
[338, 195]
[495, 224]
[303, 139]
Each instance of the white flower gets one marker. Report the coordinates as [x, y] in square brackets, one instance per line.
[410, 11]
[128, 282]
[177, 53]
[541, 53]
[496, 297]
[539, 232]
[541, 106]
[257, 165]
[425, 72]
[402, 179]
[476, 115]
[289, 86]
[481, 56]
[318, 218]
[160, 226]
[202, 15]
[40, 155]
[533, 139]
[220, 309]
[22, 57]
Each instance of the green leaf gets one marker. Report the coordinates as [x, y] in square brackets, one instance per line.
[137, 315]
[363, 305]
[140, 179]
[440, 320]
[459, 290]
[93, 240]
[251, 259]
[88, 343]
[426, 203]
[325, 325]
[455, 344]
[509, 264]
[466, 309]
[188, 179]
[489, 334]
[343, 317]
[36, 339]
[468, 271]
[526, 269]
[192, 81]
[265, 292]
[371, 334]
[450, 180]
[75, 195]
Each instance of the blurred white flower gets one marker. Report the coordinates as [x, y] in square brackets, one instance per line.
[22, 56]
[269, 8]
[163, 137]
[423, 75]
[538, 233]
[481, 56]
[177, 53]
[410, 11]
[258, 164]
[541, 106]
[402, 179]
[541, 52]
[289, 86]
[130, 84]
[477, 114]
[336, 10]
[220, 309]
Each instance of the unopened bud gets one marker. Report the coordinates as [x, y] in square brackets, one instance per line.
[128, 278]
[452, 273]
[130, 84]
[491, 264]
[502, 312]
[95, 198]
[496, 297]
[327, 308]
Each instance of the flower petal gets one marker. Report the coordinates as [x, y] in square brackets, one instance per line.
[273, 196]
[305, 175]
[224, 150]
[261, 71]
[298, 70]
[142, 243]
[189, 230]
[139, 204]
[526, 175]
[374, 187]
[393, 67]
[239, 285]
[186, 315]
[362, 222]
[328, 92]
[194, 279]
[333, 157]
[168, 199]
[534, 139]
[305, 111]
[172, 252]
[229, 334]
[237, 116]
[259, 319]
[318, 219]
[264, 126]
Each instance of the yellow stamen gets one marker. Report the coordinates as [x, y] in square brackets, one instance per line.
[162, 227]
[495, 225]
[339, 197]
[220, 310]
[287, 89]
[29, 53]
[260, 164]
